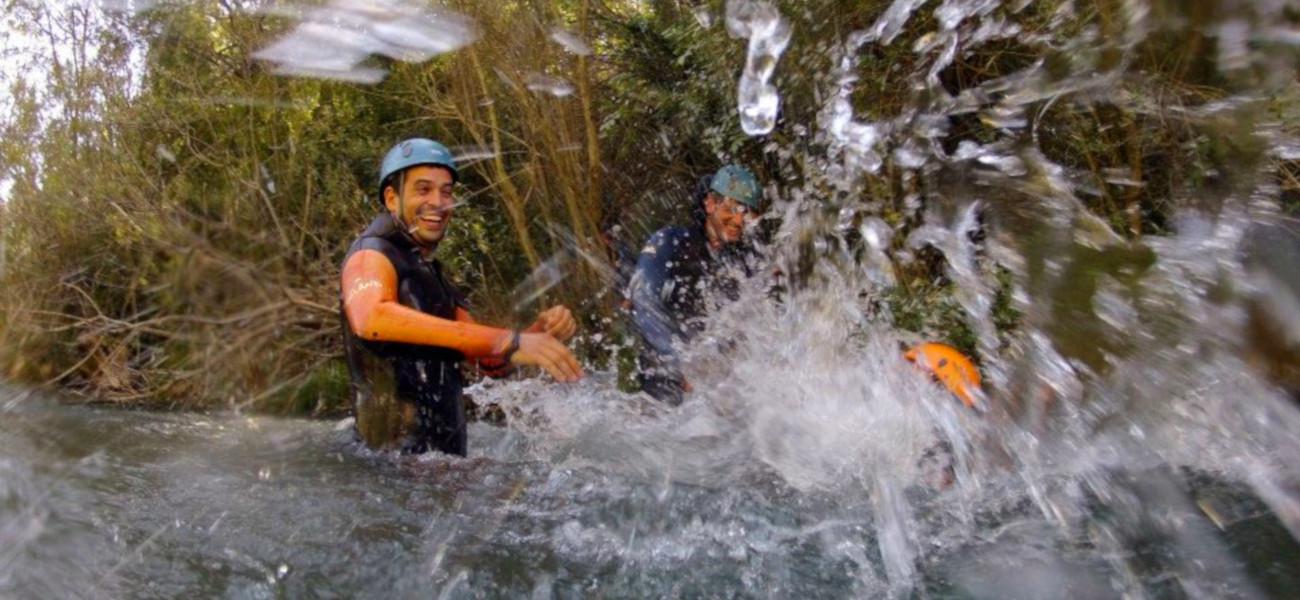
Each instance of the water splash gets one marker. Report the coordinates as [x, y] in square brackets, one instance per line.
[547, 84]
[547, 275]
[702, 16]
[1121, 345]
[956, 244]
[570, 42]
[852, 144]
[891, 23]
[470, 154]
[332, 42]
[768, 33]
[165, 153]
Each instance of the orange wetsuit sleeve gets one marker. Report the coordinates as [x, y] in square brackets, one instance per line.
[370, 303]
[492, 366]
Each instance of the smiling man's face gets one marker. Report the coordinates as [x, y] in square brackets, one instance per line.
[726, 219]
[425, 205]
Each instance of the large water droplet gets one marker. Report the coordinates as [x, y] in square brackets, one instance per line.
[333, 41]
[546, 84]
[570, 42]
[769, 34]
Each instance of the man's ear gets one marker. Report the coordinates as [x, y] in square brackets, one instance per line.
[710, 203]
[390, 198]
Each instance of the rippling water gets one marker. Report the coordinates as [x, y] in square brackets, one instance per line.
[589, 492]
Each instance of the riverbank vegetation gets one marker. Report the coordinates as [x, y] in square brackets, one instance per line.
[178, 210]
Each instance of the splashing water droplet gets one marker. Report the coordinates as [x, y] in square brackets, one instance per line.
[769, 34]
[570, 42]
[471, 154]
[546, 276]
[909, 156]
[891, 23]
[703, 16]
[546, 84]
[331, 42]
[164, 153]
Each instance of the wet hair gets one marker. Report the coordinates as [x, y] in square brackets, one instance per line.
[395, 181]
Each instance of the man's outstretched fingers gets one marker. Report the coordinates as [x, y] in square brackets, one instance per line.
[575, 365]
[550, 361]
[565, 361]
[552, 368]
[542, 350]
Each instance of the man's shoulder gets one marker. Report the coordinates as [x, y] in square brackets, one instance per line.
[668, 237]
[372, 243]
[375, 237]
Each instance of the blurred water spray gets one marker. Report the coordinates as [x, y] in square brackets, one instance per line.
[547, 84]
[334, 41]
[570, 42]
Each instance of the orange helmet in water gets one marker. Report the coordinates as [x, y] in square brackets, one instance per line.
[950, 367]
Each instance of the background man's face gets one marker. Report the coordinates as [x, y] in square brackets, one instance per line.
[727, 218]
[425, 206]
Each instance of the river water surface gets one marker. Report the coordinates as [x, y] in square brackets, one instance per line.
[115, 503]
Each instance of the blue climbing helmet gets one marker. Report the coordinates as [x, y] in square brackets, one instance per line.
[413, 152]
[739, 184]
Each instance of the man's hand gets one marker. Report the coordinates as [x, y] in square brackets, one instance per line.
[556, 321]
[542, 350]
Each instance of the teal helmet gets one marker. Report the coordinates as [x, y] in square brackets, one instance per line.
[739, 184]
[413, 152]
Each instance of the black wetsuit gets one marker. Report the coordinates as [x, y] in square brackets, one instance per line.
[391, 382]
[677, 281]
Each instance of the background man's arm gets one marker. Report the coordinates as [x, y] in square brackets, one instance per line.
[647, 290]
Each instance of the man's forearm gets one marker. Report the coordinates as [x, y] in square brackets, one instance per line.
[392, 322]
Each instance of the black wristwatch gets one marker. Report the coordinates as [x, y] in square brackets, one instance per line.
[514, 346]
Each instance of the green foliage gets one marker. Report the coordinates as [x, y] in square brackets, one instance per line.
[177, 219]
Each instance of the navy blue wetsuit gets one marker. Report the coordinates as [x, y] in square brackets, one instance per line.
[677, 280]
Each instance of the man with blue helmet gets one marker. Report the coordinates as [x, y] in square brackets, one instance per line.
[408, 329]
[682, 268]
